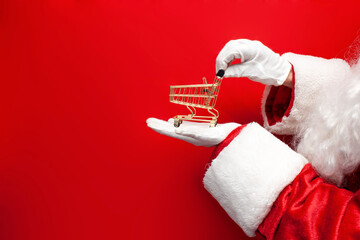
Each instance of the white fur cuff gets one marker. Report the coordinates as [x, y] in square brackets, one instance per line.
[249, 174]
[313, 76]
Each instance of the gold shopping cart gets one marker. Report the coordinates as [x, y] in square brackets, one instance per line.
[197, 96]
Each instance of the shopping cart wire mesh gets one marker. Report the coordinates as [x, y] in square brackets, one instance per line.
[197, 96]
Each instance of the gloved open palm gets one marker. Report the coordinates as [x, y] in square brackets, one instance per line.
[199, 134]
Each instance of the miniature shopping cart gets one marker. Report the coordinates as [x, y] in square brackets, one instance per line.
[197, 96]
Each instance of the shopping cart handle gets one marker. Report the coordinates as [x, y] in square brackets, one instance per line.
[220, 73]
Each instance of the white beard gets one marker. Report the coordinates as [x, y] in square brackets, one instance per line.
[330, 138]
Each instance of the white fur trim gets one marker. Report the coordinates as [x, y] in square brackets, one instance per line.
[313, 75]
[249, 174]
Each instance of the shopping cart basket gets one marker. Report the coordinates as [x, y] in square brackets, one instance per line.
[197, 96]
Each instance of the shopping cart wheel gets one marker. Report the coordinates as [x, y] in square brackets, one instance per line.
[213, 124]
[177, 122]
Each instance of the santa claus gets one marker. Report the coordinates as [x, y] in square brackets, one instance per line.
[266, 187]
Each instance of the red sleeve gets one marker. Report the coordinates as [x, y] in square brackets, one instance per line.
[279, 102]
[310, 208]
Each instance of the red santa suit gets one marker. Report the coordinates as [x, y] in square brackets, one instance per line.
[274, 192]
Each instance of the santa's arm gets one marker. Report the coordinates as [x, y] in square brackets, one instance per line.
[310, 208]
[265, 186]
[284, 109]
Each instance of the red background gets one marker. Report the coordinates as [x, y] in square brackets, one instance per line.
[78, 80]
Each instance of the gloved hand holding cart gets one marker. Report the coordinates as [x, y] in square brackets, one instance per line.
[257, 62]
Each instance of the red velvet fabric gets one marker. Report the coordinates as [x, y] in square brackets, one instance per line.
[310, 208]
[279, 102]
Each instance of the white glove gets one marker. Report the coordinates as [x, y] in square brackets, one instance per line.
[258, 62]
[199, 134]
